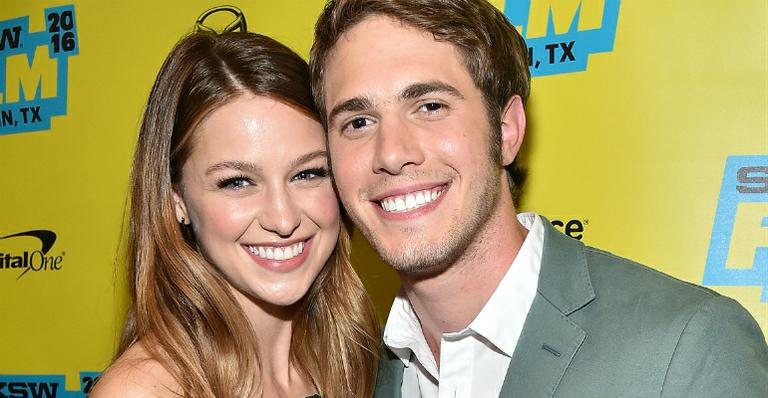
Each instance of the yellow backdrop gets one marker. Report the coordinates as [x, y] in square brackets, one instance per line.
[648, 137]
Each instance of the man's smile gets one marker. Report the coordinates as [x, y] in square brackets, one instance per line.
[412, 200]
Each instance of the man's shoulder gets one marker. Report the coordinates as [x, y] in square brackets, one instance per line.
[643, 320]
[612, 274]
[635, 293]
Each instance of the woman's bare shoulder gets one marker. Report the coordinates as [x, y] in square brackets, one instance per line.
[135, 375]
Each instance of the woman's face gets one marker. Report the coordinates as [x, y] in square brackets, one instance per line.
[257, 192]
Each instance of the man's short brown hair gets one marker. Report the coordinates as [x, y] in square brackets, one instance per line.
[494, 53]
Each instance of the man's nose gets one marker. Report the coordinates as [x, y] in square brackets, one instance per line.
[397, 145]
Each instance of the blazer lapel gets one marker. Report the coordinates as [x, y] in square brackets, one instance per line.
[390, 376]
[550, 340]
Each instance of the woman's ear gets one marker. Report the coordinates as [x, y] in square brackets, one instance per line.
[512, 129]
[181, 208]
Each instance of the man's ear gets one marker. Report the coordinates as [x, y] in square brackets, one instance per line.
[181, 208]
[512, 129]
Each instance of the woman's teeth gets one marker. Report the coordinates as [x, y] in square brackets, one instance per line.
[277, 253]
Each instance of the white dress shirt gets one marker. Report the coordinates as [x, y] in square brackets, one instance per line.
[473, 361]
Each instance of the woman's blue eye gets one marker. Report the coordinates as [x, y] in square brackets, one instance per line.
[234, 183]
[311, 174]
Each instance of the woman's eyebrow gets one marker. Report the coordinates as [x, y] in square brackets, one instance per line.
[234, 164]
[307, 157]
[256, 169]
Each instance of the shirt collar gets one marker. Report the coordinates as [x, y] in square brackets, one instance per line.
[403, 334]
[500, 321]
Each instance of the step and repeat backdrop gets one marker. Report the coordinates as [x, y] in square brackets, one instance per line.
[648, 137]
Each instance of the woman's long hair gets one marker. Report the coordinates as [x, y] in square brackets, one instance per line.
[182, 309]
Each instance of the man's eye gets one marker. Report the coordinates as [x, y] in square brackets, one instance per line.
[431, 107]
[234, 183]
[358, 123]
[311, 174]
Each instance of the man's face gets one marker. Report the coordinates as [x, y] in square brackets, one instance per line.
[409, 142]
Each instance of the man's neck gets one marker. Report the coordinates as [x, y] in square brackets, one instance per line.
[449, 301]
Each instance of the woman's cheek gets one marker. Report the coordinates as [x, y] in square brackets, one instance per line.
[229, 216]
[323, 205]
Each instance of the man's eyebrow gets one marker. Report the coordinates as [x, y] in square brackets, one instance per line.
[417, 90]
[413, 91]
[356, 104]
[233, 164]
[308, 157]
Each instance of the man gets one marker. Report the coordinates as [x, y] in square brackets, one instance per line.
[423, 101]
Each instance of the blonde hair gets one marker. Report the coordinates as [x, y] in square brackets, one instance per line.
[182, 309]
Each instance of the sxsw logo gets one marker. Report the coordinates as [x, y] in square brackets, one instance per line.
[738, 249]
[561, 34]
[33, 70]
[44, 386]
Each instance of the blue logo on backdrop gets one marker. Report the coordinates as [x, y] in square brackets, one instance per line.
[738, 249]
[561, 34]
[44, 386]
[33, 70]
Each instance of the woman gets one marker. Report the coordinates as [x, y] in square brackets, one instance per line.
[240, 287]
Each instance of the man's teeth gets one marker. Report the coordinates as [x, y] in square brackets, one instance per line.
[277, 253]
[410, 201]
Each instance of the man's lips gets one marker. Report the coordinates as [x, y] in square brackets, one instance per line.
[411, 198]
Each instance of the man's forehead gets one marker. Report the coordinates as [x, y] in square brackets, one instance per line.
[378, 22]
[378, 32]
[382, 50]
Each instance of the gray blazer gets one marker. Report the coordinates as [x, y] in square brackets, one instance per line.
[603, 326]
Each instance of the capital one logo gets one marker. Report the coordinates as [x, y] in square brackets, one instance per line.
[562, 34]
[23, 261]
[738, 249]
[34, 70]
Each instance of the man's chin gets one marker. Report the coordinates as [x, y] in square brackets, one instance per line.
[412, 256]
[417, 262]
